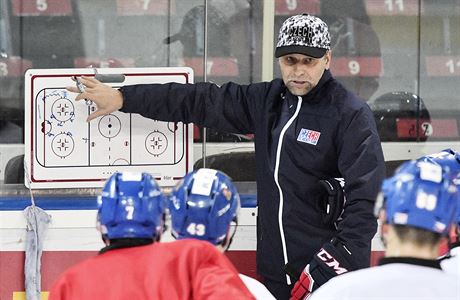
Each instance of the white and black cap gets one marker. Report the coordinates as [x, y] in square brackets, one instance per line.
[303, 34]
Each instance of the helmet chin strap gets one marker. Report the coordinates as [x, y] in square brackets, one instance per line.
[160, 232]
[230, 234]
[157, 238]
[105, 239]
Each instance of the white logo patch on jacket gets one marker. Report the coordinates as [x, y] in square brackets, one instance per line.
[308, 136]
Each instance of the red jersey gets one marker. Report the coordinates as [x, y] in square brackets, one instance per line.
[183, 269]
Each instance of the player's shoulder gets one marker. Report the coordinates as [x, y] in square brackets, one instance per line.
[81, 267]
[256, 288]
[451, 266]
[192, 245]
[337, 287]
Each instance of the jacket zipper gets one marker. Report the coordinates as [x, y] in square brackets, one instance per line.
[276, 177]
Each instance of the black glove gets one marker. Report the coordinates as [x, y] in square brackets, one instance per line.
[334, 199]
[331, 260]
[304, 286]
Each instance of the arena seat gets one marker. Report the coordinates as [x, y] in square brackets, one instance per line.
[14, 170]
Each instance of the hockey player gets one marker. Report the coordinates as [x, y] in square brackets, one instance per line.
[133, 265]
[416, 208]
[451, 159]
[205, 206]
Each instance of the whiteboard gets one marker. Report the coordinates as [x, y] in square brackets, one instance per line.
[62, 150]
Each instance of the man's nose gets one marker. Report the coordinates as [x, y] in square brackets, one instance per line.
[300, 70]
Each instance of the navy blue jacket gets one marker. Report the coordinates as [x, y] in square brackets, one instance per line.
[290, 224]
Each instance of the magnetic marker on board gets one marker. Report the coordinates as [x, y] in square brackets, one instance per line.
[112, 78]
[80, 86]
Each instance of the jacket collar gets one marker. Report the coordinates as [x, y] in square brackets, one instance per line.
[412, 261]
[126, 243]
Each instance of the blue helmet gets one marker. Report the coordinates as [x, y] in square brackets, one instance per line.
[421, 194]
[449, 159]
[131, 205]
[203, 205]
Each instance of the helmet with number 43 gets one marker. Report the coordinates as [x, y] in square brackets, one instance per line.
[421, 194]
[131, 205]
[203, 206]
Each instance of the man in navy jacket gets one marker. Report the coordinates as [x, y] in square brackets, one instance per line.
[308, 128]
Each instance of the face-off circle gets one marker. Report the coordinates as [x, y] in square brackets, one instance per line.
[109, 126]
[63, 109]
[156, 143]
[62, 145]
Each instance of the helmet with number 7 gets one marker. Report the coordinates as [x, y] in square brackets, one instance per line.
[421, 194]
[203, 205]
[131, 205]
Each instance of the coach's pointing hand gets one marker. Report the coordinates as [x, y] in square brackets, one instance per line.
[106, 98]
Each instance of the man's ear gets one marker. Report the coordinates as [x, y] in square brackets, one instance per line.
[384, 226]
[328, 57]
[230, 234]
[454, 233]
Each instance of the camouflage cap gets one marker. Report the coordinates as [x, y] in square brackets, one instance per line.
[303, 34]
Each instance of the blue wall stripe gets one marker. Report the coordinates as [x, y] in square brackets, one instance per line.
[77, 203]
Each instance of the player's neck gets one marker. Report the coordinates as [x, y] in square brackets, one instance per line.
[404, 249]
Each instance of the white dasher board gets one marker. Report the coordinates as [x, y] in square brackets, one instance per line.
[64, 151]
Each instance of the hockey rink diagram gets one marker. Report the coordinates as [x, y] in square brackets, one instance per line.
[104, 142]
[67, 151]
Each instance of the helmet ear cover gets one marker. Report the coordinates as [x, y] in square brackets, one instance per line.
[333, 200]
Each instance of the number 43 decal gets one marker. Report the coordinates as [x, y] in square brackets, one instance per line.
[196, 229]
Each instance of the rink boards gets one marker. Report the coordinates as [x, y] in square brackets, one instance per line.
[72, 237]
